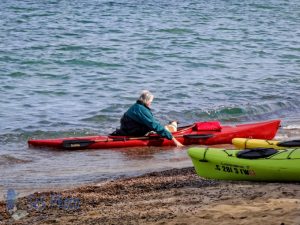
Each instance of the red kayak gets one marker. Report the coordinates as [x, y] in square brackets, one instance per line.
[203, 133]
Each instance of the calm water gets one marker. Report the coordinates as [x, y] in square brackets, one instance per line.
[72, 68]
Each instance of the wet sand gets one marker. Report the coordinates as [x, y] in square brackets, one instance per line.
[176, 196]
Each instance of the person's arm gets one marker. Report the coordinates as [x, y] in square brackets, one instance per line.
[144, 116]
[177, 143]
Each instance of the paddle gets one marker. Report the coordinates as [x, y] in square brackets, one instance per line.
[292, 143]
[69, 144]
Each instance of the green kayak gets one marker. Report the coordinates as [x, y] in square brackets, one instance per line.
[262, 164]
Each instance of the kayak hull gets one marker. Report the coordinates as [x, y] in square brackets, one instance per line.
[186, 135]
[223, 164]
[246, 143]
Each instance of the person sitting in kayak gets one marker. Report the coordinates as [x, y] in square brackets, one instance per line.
[139, 120]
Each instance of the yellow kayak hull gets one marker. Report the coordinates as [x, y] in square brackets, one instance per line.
[247, 143]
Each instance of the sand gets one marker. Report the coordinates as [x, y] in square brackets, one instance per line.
[176, 196]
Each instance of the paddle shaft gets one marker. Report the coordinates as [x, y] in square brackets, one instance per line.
[197, 136]
[77, 143]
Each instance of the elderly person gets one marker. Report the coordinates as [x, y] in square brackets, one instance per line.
[139, 120]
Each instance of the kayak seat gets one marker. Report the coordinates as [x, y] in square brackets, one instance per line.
[256, 153]
[293, 143]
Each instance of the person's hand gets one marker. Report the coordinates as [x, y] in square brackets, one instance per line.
[177, 143]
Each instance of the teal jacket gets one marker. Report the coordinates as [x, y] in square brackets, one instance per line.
[139, 120]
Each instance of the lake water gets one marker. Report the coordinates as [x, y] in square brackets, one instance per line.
[72, 68]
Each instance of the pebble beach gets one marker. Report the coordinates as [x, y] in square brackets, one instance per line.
[176, 196]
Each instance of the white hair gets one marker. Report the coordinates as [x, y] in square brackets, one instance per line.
[146, 96]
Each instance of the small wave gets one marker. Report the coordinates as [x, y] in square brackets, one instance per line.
[243, 112]
[262, 6]
[61, 133]
[34, 62]
[10, 160]
[53, 76]
[114, 108]
[21, 137]
[292, 127]
[17, 74]
[290, 56]
[97, 118]
[50, 93]
[88, 63]
[70, 48]
[176, 30]
[12, 138]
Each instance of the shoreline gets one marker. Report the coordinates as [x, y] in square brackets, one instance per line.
[175, 196]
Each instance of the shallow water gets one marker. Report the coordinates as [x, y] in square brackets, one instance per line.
[73, 68]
